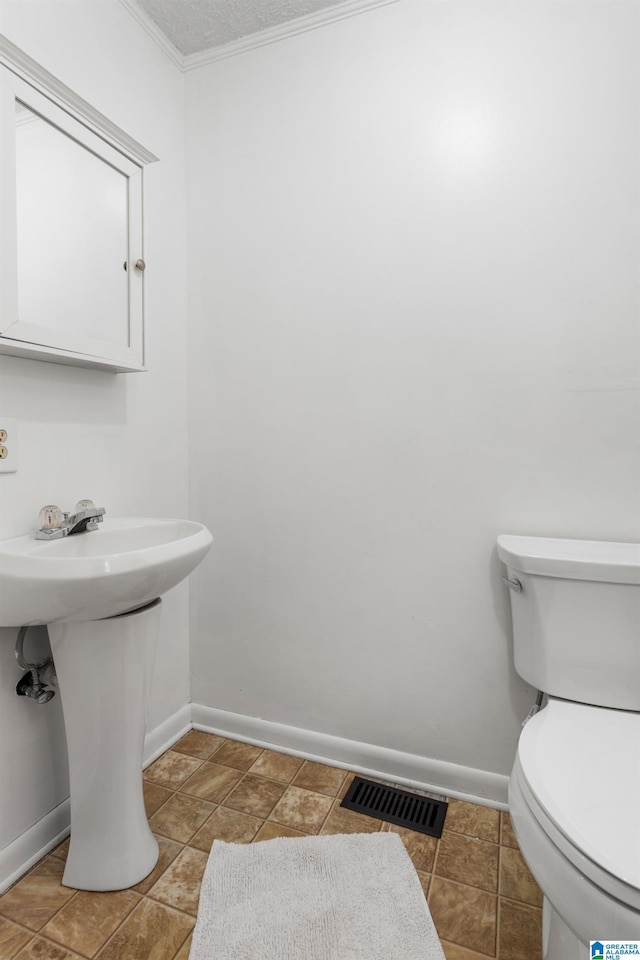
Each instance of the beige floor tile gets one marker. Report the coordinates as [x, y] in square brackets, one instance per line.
[62, 850]
[270, 830]
[520, 931]
[41, 949]
[425, 881]
[420, 847]
[240, 756]
[302, 810]
[277, 766]
[470, 861]
[42, 920]
[516, 881]
[180, 817]
[34, 899]
[464, 915]
[152, 931]
[172, 769]
[169, 850]
[232, 826]
[473, 820]
[199, 744]
[341, 820]
[183, 952]
[12, 938]
[453, 951]
[256, 796]
[154, 796]
[179, 885]
[507, 836]
[344, 789]
[88, 920]
[212, 782]
[320, 778]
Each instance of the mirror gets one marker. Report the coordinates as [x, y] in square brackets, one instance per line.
[71, 200]
[71, 215]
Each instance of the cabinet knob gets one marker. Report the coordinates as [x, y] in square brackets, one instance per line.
[141, 265]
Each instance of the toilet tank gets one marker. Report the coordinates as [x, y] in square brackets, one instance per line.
[576, 621]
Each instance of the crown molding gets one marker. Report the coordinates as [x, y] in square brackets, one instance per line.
[154, 31]
[340, 11]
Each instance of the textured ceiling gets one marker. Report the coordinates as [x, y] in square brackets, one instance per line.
[197, 25]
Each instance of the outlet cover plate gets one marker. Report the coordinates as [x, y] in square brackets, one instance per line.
[10, 463]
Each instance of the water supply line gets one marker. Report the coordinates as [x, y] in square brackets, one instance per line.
[537, 706]
[38, 677]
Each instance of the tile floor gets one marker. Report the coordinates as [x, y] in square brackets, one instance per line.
[483, 900]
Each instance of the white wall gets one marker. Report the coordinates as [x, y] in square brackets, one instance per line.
[119, 439]
[414, 325]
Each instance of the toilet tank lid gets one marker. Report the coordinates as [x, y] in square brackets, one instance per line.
[572, 559]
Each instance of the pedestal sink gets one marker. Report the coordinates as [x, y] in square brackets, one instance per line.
[98, 594]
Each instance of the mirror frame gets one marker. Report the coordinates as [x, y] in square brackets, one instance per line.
[22, 79]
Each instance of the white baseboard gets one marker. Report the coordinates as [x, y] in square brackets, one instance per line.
[33, 844]
[166, 734]
[21, 854]
[422, 773]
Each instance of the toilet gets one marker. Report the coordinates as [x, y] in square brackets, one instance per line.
[574, 792]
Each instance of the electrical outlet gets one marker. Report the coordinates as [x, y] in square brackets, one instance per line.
[8, 445]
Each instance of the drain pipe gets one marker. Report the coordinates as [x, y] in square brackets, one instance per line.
[38, 676]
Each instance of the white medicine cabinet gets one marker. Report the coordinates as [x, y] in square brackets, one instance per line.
[71, 227]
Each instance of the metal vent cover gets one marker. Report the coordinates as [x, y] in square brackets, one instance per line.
[393, 805]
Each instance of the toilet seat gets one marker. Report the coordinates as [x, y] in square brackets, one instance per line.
[579, 772]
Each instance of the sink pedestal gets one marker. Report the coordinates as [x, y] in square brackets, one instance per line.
[104, 672]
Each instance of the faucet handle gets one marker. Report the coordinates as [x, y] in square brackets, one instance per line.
[50, 517]
[84, 505]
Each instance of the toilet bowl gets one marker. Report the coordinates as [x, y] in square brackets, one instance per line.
[574, 799]
[574, 792]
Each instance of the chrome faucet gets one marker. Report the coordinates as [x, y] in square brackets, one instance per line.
[54, 524]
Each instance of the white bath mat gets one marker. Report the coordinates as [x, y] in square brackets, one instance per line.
[345, 897]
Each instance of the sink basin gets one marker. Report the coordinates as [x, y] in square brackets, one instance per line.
[124, 564]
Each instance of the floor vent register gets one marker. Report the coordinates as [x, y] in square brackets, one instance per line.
[397, 806]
